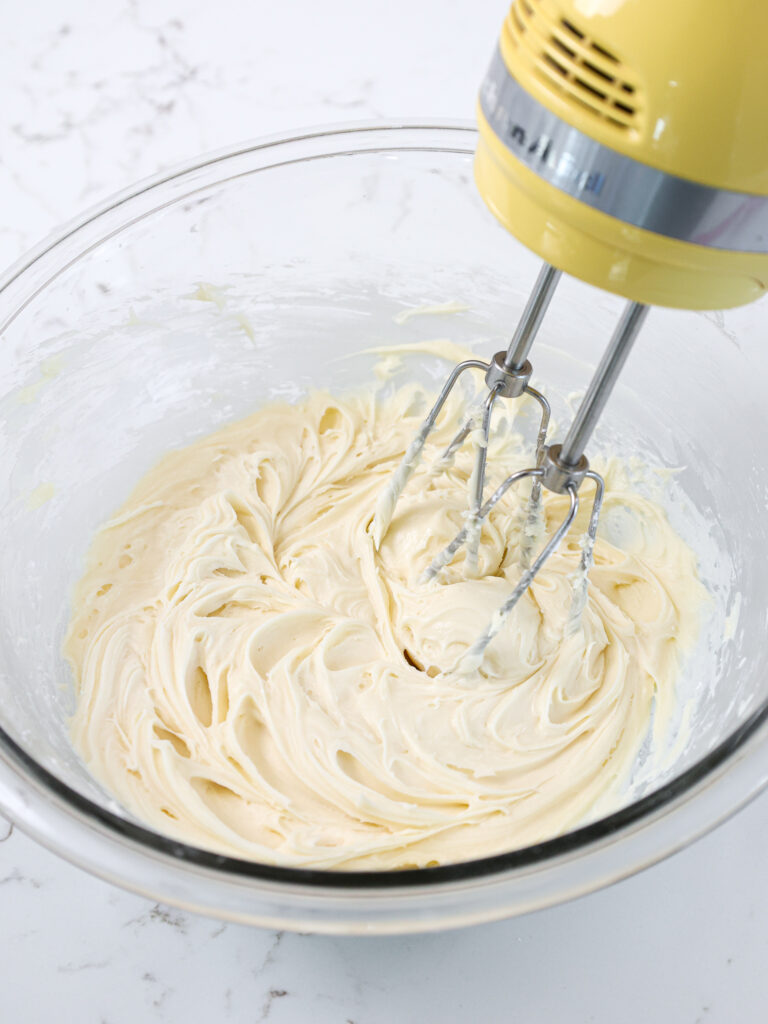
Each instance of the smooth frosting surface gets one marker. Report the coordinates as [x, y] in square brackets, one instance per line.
[255, 678]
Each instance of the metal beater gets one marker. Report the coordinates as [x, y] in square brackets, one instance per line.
[560, 468]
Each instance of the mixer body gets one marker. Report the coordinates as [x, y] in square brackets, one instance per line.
[625, 142]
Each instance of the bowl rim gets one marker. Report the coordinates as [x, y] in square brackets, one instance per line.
[180, 169]
[611, 827]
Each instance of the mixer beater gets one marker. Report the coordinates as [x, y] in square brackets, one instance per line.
[560, 468]
[507, 375]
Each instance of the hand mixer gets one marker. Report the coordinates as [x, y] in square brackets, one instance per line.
[625, 143]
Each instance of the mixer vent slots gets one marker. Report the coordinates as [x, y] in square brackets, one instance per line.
[567, 59]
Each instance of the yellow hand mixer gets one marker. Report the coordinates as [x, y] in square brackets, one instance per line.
[625, 142]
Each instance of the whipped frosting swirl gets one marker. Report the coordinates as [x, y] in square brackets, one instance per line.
[254, 677]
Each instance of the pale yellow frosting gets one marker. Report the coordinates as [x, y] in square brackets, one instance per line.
[255, 678]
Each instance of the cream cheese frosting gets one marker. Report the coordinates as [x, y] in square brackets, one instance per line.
[254, 676]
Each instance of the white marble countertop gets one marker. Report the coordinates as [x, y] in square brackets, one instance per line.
[94, 96]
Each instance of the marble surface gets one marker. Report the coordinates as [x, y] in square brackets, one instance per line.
[95, 96]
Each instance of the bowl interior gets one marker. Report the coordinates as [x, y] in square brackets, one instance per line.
[261, 276]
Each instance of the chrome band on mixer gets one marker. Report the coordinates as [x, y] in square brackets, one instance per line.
[614, 184]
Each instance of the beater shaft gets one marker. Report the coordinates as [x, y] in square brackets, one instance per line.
[529, 323]
[602, 383]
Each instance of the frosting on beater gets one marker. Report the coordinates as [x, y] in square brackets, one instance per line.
[256, 678]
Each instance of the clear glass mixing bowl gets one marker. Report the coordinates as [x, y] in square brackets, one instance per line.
[110, 356]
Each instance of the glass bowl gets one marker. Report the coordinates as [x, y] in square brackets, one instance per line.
[306, 247]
